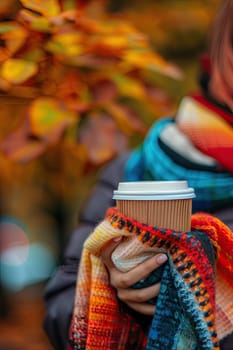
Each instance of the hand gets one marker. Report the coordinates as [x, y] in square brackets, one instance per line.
[136, 299]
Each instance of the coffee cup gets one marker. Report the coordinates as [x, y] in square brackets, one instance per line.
[165, 204]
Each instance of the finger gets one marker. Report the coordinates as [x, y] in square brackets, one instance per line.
[138, 295]
[141, 271]
[143, 308]
[107, 251]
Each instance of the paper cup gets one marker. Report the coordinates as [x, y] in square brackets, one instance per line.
[165, 204]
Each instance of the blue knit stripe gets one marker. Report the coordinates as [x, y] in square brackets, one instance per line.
[176, 317]
[149, 162]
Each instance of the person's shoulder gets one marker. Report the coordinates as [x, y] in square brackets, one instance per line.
[115, 169]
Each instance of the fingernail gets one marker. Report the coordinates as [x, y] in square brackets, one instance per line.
[161, 258]
[117, 239]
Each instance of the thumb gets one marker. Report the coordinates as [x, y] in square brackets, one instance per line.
[107, 250]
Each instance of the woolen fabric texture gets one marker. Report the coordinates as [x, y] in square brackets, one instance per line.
[185, 316]
[213, 189]
[60, 291]
[207, 130]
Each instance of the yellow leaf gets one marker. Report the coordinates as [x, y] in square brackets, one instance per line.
[49, 118]
[17, 71]
[108, 44]
[129, 87]
[115, 41]
[36, 22]
[151, 61]
[47, 8]
[35, 54]
[6, 27]
[67, 44]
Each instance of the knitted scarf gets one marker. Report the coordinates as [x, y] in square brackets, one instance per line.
[201, 165]
[207, 130]
[185, 315]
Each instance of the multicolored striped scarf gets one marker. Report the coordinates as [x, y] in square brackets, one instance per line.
[157, 160]
[186, 310]
[207, 130]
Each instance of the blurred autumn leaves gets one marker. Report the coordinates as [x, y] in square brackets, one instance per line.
[77, 85]
[74, 68]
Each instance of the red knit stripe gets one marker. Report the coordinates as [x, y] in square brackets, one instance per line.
[223, 113]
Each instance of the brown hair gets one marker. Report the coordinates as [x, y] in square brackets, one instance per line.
[221, 55]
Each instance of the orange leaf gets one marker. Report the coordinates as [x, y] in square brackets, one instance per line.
[107, 46]
[88, 25]
[114, 41]
[7, 7]
[4, 85]
[74, 92]
[28, 151]
[123, 116]
[4, 54]
[104, 90]
[13, 34]
[19, 147]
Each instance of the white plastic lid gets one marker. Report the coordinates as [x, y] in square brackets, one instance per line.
[153, 190]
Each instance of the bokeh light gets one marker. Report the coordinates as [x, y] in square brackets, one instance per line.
[22, 263]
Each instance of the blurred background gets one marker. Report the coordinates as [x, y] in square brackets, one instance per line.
[80, 81]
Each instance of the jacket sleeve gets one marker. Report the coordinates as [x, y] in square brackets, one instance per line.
[60, 290]
[227, 343]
